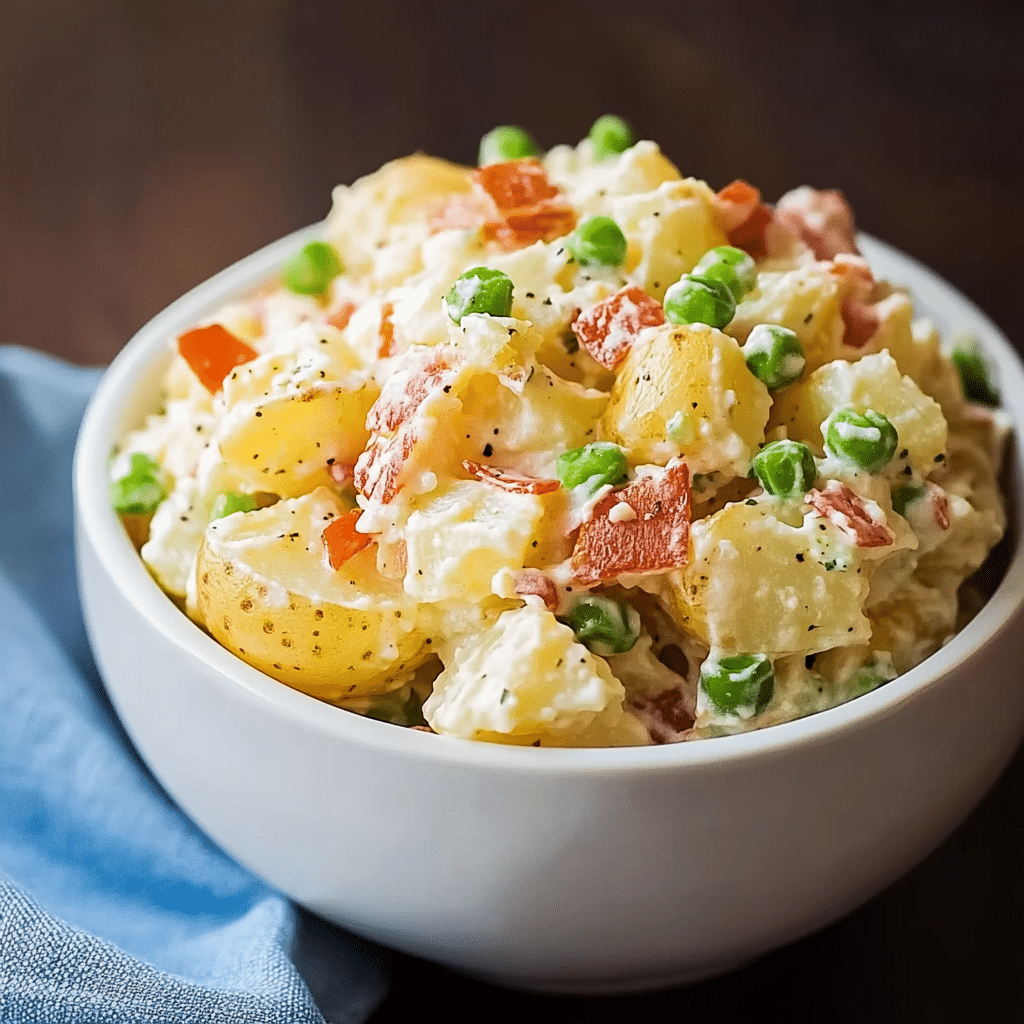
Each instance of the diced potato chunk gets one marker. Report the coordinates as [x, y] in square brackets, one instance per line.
[918, 355]
[641, 168]
[525, 679]
[806, 300]
[390, 204]
[874, 382]
[686, 391]
[288, 413]
[914, 623]
[528, 430]
[669, 230]
[757, 585]
[457, 540]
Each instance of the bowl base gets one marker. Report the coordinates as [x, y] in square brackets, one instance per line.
[608, 986]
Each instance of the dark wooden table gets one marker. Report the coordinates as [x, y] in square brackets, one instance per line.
[144, 146]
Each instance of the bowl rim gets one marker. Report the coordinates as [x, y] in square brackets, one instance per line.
[97, 524]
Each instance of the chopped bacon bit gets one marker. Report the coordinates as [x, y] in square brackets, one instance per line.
[514, 203]
[213, 352]
[861, 322]
[379, 468]
[533, 581]
[860, 317]
[515, 184]
[342, 540]
[940, 505]
[666, 715]
[735, 204]
[405, 390]
[386, 332]
[750, 235]
[822, 220]
[846, 511]
[509, 480]
[658, 539]
[340, 317]
[526, 227]
[745, 219]
[608, 330]
[342, 473]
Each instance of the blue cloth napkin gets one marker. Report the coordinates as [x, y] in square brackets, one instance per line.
[114, 907]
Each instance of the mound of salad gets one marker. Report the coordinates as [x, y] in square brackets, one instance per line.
[569, 450]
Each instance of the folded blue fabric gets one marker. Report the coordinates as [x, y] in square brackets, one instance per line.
[114, 907]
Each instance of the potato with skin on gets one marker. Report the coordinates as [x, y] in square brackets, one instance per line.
[266, 591]
[874, 382]
[757, 585]
[685, 391]
[288, 415]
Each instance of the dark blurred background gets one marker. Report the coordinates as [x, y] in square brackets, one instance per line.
[144, 146]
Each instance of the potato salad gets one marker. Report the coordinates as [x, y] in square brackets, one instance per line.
[568, 449]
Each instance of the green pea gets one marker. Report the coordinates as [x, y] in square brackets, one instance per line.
[785, 468]
[867, 439]
[738, 684]
[397, 708]
[506, 142]
[598, 240]
[610, 135]
[699, 300]
[312, 269]
[904, 496]
[228, 502]
[974, 374]
[480, 290]
[732, 266]
[774, 355]
[603, 625]
[595, 465]
[141, 489]
[864, 680]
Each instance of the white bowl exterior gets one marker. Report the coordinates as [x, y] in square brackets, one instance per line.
[565, 870]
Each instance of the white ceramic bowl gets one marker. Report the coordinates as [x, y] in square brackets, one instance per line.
[558, 870]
